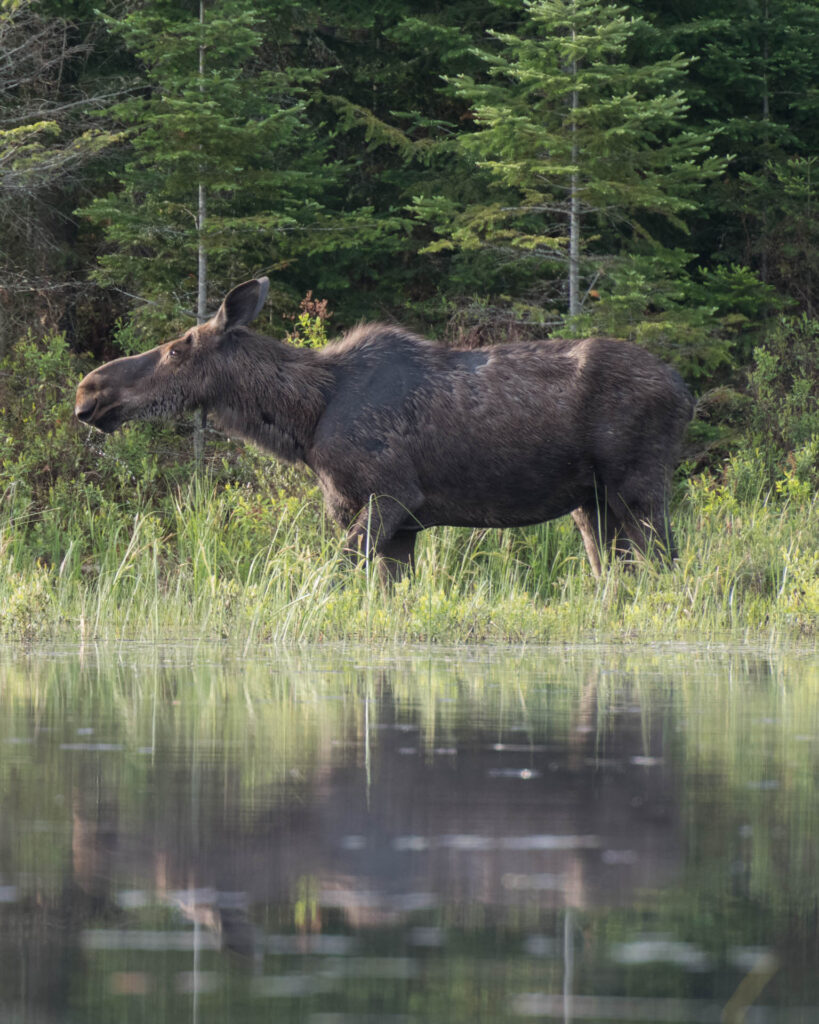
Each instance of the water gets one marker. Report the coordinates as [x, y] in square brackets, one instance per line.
[337, 835]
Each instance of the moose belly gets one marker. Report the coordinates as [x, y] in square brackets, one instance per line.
[504, 500]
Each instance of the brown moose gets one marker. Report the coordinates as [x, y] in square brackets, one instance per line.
[403, 433]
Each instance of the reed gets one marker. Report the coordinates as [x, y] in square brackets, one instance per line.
[222, 563]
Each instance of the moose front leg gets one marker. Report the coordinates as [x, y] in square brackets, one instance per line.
[378, 530]
[397, 556]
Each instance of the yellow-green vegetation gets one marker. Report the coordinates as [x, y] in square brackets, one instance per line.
[222, 563]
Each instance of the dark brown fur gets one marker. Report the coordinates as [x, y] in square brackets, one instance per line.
[404, 434]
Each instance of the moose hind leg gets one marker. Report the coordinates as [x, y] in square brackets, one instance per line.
[598, 528]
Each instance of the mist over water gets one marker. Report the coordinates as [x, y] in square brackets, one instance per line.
[340, 834]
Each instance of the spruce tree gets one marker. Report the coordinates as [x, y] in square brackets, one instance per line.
[224, 167]
[392, 121]
[758, 80]
[49, 141]
[584, 146]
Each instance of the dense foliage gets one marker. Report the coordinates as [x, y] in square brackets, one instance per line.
[414, 160]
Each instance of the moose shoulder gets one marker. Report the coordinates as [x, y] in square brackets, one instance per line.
[404, 434]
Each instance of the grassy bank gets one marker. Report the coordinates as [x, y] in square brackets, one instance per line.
[217, 562]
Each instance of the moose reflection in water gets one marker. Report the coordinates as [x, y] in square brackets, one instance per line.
[496, 825]
[404, 434]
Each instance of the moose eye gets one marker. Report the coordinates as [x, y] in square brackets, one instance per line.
[176, 350]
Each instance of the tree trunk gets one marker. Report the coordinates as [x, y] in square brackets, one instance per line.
[201, 415]
[574, 232]
[202, 261]
[574, 211]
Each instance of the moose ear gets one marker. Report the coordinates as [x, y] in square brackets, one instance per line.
[242, 304]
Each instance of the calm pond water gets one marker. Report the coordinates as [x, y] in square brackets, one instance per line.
[336, 835]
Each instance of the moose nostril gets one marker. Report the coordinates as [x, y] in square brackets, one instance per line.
[83, 409]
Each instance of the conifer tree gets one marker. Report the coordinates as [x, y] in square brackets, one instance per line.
[222, 127]
[757, 79]
[49, 138]
[585, 147]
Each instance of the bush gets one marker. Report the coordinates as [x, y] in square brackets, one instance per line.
[783, 415]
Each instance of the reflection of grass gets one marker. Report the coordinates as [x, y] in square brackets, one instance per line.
[255, 733]
[754, 770]
[203, 725]
[230, 565]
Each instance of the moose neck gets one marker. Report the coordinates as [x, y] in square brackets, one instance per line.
[274, 395]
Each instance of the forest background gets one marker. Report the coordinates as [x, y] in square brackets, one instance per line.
[479, 170]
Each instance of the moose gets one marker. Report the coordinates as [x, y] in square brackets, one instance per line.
[403, 433]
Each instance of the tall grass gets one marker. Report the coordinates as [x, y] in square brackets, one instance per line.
[223, 563]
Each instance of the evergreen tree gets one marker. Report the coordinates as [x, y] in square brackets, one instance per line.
[392, 122]
[781, 201]
[330, 149]
[756, 80]
[585, 147]
[222, 127]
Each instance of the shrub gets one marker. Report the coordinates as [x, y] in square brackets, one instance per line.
[783, 415]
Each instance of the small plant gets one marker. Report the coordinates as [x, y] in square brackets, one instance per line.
[310, 323]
